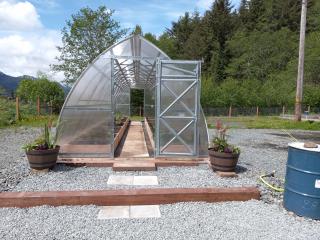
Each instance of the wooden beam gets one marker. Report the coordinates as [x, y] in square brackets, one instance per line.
[108, 162]
[120, 134]
[127, 197]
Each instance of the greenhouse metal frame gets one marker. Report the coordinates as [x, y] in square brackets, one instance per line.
[171, 102]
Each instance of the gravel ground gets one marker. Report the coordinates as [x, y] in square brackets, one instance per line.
[230, 220]
[262, 152]
[13, 165]
[68, 178]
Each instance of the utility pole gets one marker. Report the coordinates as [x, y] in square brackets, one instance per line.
[301, 61]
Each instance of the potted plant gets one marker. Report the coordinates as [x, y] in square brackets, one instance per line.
[223, 156]
[42, 153]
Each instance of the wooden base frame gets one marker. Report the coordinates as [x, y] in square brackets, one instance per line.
[108, 162]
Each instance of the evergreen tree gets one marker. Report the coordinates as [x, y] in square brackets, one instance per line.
[222, 24]
[137, 30]
[181, 31]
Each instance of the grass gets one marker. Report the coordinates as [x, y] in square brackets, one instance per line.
[28, 115]
[136, 118]
[264, 123]
[33, 121]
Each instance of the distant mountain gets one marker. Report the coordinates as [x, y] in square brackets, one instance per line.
[10, 83]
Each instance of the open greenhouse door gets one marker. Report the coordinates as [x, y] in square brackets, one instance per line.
[177, 107]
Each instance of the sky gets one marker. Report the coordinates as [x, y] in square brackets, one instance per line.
[30, 29]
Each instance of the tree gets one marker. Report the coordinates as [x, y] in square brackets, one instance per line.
[85, 36]
[2, 91]
[221, 24]
[47, 91]
[181, 31]
[244, 12]
[151, 37]
[137, 30]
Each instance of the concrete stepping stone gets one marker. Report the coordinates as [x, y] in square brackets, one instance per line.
[145, 180]
[136, 211]
[114, 212]
[120, 180]
[132, 180]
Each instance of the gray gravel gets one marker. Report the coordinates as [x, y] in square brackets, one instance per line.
[13, 164]
[68, 178]
[262, 152]
[230, 220]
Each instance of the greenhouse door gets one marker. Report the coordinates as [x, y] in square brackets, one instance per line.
[177, 107]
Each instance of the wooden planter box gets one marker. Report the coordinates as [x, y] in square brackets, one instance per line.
[149, 132]
[118, 137]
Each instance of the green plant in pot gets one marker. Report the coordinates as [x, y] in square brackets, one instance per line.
[223, 156]
[42, 153]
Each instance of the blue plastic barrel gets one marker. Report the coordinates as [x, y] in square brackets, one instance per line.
[302, 184]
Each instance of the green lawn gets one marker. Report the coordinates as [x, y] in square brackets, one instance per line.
[28, 115]
[136, 118]
[35, 121]
[263, 123]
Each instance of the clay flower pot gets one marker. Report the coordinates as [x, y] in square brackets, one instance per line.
[43, 159]
[223, 162]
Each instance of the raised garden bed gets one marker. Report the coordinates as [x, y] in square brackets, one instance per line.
[149, 131]
[120, 129]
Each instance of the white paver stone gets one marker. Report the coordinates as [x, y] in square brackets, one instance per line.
[145, 180]
[120, 180]
[114, 212]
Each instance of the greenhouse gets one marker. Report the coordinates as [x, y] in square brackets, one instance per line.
[174, 123]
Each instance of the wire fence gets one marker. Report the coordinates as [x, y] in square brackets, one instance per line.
[308, 111]
[282, 111]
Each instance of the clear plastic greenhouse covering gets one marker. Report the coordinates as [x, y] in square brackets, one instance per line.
[171, 102]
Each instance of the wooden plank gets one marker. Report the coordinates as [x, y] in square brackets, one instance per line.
[134, 166]
[120, 134]
[127, 197]
[149, 132]
[108, 162]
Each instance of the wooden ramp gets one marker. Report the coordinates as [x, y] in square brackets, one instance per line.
[135, 148]
[135, 143]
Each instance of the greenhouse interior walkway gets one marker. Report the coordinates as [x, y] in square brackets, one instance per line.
[135, 143]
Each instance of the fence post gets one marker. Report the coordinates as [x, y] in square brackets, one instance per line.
[51, 107]
[17, 109]
[140, 110]
[309, 109]
[230, 111]
[38, 105]
[257, 112]
[283, 110]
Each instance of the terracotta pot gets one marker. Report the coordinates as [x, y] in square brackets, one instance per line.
[223, 162]
[42, 159]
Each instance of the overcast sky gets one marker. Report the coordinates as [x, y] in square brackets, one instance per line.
[30, 30]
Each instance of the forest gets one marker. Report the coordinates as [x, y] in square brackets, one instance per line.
[250, 54]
